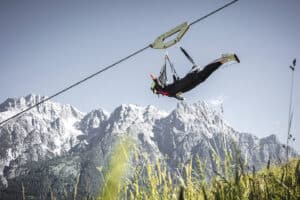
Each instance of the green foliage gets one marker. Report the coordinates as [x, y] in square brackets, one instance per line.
[231, 180]
[117, 169]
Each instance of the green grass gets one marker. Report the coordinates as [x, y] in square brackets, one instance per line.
[231, 180]
[118, 169]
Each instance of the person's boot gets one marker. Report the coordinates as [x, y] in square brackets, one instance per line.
[231, 57]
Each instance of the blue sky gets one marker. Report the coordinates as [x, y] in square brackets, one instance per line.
[47, 45]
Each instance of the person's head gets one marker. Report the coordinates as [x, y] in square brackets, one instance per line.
[153, 87]
[154, 84]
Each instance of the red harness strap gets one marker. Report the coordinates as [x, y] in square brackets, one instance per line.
[164, 93]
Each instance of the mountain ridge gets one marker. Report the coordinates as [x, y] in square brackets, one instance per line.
[52, 138]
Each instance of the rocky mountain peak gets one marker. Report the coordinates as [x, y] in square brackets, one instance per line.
[200, 109]
[45, 140]
[14, 105]
[44, 132]
[93, 120]
[20, 103]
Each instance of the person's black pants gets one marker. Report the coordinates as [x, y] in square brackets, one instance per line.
[192, 79]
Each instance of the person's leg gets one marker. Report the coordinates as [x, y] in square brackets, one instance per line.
[207, 71]
[195, 77]
[210, 68]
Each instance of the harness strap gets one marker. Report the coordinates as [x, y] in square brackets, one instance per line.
[172, 67]
[164, 93]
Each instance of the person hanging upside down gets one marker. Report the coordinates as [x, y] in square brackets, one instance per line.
[190, 80]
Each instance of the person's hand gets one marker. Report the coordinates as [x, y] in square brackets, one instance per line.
[152, 76]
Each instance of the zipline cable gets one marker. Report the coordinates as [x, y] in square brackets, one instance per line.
[213, 12]
[106, 68]
[75, 84]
